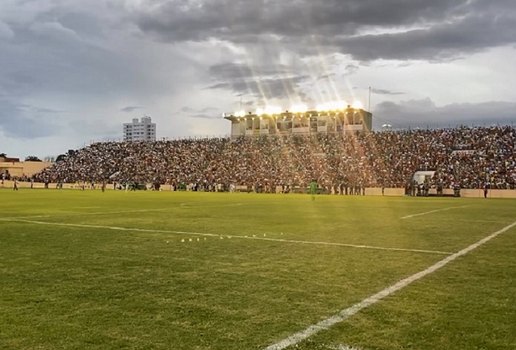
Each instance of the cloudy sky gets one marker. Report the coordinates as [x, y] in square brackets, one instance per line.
[72, 71]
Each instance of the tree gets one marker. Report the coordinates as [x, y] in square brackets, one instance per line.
[61, 157]
[32, 159]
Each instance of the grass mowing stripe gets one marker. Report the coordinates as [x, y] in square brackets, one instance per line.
[118, 228]
[107, 212]
[61, 214]
[189, 205]
[432, 211]
[352, 310]
[181, 205]
[24, 217]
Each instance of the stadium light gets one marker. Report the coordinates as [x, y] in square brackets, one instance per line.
[322, 107]
[259, 111]
[272, 110]
[357, 105]
[240, 113]
[339, 105]
[332, 106]
[300, 108]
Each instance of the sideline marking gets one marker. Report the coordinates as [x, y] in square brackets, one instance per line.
[114, 228]
[432, 211]
[254, 237]
[373, 299]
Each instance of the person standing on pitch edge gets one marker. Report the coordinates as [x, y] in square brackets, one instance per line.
[313, 189]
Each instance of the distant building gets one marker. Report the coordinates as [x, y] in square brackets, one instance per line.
[144, 130]
[10, 167]
[5, 159]
[303, 123]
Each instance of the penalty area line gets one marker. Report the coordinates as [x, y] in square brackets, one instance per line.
[254, 237]
[373, 299]
[432, 211]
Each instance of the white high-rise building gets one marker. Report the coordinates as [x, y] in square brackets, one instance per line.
[144, 130]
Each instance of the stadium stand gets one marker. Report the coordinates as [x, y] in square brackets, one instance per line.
[464, 157]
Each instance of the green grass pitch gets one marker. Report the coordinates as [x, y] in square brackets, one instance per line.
[168, 270]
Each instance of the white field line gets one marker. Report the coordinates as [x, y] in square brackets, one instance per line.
[114, 228]
[254, 237]
[352, 310]
[432, 211]
[349, 245]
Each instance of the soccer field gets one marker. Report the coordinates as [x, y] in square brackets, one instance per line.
[176, 270]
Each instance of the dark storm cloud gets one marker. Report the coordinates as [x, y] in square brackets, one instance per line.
[130, 109]
[204, 116]
[445, 28]
[326, 77]
[77, 55]
[229, 71]
[260, 81]
[179, 20]
[63, 62]
[423, 113]
[264, 88]
[26, 121]
[385, 92]
[48, 56]
[450, 40]
[351, 69]
[187, 109]
[202, 113]
[209, 110]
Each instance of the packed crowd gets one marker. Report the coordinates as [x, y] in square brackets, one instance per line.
[465, 157]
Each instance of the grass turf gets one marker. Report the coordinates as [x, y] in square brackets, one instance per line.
[90, 286]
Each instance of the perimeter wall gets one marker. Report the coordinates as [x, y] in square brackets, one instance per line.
[370, 191]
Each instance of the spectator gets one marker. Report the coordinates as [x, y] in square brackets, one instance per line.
[467, 157]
